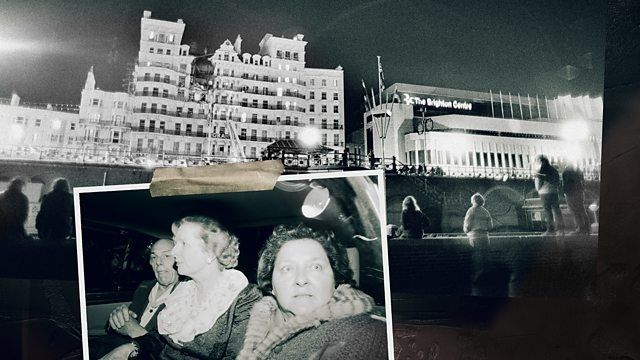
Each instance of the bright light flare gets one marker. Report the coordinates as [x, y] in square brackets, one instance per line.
[8, 46]
[310, 136]
[56, 124]
[574, 131]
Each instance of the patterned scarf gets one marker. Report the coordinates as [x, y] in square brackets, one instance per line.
[261, 338]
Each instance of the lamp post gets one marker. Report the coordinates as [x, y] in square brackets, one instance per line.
[381, 121]
[424, 126]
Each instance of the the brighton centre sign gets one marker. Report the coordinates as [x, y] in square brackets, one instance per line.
[437, 103]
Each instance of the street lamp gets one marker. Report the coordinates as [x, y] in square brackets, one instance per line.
[381, 121]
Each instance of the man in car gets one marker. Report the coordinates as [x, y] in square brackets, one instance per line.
[140, 316]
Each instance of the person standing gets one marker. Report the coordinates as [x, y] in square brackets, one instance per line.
[477, 224]
[14, 211]
[413, 219]
[573, 185]
[55, 218]
[547, 182]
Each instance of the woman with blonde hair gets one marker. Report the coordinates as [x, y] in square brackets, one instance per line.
[413, 220]
[206, 316]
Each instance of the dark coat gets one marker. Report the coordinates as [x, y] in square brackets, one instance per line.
[355, 337]
[223, 341]
[55, 219]
[14, 211]
[413, 223]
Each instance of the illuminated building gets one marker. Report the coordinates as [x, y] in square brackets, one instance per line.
[475, 134]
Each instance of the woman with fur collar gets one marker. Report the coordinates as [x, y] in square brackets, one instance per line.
[314, 312]
[205, 317]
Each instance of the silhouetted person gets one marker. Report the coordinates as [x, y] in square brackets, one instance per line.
[573, 185]
[477, 224]
[413, 220]
[547, 181]
[55, 219]
[14, 211]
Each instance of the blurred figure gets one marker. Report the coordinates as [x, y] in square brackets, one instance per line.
[55, 219]
[413, 220]
[477, 224]
[547, 182]
[573, 185]
[14, 211]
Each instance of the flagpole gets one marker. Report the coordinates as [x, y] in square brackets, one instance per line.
[520, 103]
[511, 105]
[501, 105]
[529, 102]
[379, 79]
[538, 102]
[491, 94]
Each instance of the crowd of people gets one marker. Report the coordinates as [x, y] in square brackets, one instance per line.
[305, 303]
[54, 221]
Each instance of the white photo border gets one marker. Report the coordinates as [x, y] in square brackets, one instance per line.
[382, 216]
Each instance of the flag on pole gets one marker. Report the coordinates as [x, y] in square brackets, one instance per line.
[367, 107]
[373, 98]
[366, 97]
[380, 80]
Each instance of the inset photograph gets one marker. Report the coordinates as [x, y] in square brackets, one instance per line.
[295, 272]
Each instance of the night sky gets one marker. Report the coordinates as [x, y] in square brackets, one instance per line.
[513, 46]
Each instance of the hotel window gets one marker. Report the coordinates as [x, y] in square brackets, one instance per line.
[187, 148]
[336, 124]
[159, 51]
[152, 125]
[324, 108]
[493, 159]
[177, 127]
[116, 137]
[253, 152]
[154, 108]
[160, 145]
[156, 77]
[324, 82]
[151, 50]
[38, 122]
[95, 102]
[336, 139]
[254, 118]
[264, 119]
[287, 55]
[147, 76]
[167, 79]
[243, 134]
[521, 160]
[141, 125]
[335, 109]
[287, 120]
[200, 130]
[176, 147]
[254, 103]
[513, 160]
[163, 109]
[265, 90]
[295, 56]
[312, 121]
[181, 80]
[254, 135]
[188, 129]
[221, 149]
[264, 135]
[335, 82]
[199, 148]
[168, 52]
[222, 131]
[145, 91]
[335, 96]
[324, 139]
[279, 54]
[155, 92]
[150, 144]
[161, 37]
[312, 95]
[165, 93]
[139, 147]
[324, 123]
[161, 126]
[152, 35]
[323, 96]
[190, 112]
[287, 135]
[72, 126]
[312, 82]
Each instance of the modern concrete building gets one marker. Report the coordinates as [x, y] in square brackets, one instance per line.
[474, 134]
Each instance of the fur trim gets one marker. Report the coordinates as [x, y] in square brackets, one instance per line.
[261, 336]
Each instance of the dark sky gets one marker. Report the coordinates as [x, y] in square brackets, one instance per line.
[513, 46]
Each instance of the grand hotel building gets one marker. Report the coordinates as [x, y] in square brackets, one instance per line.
[239, 105]
[173, 109]
[476, 134]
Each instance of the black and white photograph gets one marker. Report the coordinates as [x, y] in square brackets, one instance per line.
[290, 273]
